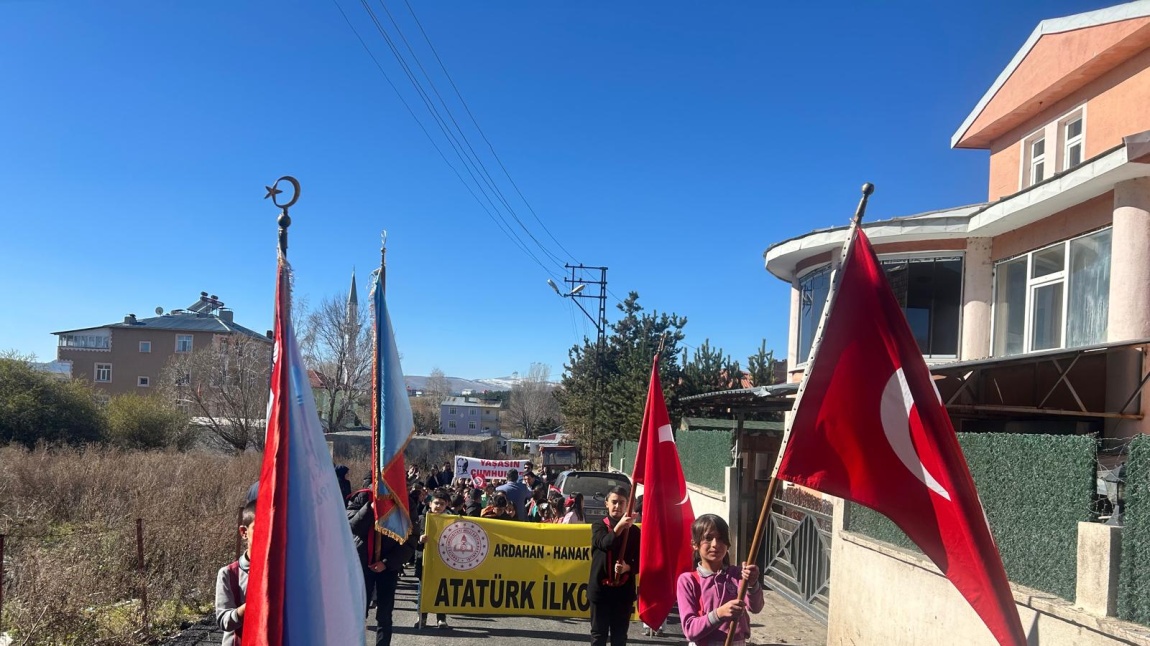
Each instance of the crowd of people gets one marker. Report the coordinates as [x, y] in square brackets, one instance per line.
[707, 596]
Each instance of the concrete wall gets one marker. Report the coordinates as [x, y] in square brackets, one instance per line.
[884, 596]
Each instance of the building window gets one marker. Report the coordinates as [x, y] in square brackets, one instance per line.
[1036, 160]
[142, 382]
[451, 424]
[1072, 135]
[928, 288]
[145, 346]
[86, 341]
[813, 289]
[103, 373]
[472, 412]
[183, 343]
[184, 379]
[1054, 297]
[471, 426]
[450, 411]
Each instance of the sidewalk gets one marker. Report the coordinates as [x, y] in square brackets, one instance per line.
[781, 622]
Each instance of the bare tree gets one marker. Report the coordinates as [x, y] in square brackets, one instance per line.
[425, 415]
[533, 403]
[336, 343]
[225, 385]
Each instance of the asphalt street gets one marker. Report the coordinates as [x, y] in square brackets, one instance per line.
[496, 630]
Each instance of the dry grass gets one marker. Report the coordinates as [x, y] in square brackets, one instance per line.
[70, 552]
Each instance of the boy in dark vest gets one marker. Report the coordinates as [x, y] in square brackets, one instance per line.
[232, 583]
[611, 588]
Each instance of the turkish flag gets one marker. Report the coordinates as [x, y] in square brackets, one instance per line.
[665, 542]
[870, 427]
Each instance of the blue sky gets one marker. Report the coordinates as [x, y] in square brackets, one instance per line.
[671, 141]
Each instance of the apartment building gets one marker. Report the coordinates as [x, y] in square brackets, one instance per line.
[469, 416]
[130, 355]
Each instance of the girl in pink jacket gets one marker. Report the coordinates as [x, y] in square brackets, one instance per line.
[707, 595]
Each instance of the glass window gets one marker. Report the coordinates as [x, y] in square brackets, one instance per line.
[1048, 261]
[103, 372]
[1046, 322]
[472, 412]
[471, 425]
[1010, 307]
[451, 424]
[1073, 138]
[451, 411]
[183, 343]
[145, 346]
[142, 382]
[1038, 161]
[1062, 304]
[813, 289]
[929, 290]
[1089, 293]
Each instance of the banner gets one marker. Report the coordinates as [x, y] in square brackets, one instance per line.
[480, 566]
[486, 470]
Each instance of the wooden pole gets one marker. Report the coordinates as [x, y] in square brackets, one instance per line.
[753, 555]
[1, 583]
[140, 567]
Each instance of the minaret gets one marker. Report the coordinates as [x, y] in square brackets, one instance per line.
[351, 317]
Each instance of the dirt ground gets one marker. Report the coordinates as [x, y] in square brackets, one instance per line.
[781, 622]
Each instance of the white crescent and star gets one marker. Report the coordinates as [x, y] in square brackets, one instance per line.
[665, 435]
[894, 410]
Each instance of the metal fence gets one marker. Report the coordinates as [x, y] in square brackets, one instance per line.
[796, 560]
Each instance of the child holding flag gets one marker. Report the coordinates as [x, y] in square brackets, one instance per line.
[708, 596]
[232, 583]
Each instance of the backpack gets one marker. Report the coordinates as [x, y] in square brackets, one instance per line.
[233, 574]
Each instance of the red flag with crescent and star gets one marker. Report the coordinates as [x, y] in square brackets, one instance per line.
[665, 542]
[870, 427]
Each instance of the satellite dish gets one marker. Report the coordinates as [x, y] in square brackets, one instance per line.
[159, 311]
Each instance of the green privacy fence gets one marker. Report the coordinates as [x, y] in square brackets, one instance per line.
[704, 454]
[1035, 490]
[1134, 577]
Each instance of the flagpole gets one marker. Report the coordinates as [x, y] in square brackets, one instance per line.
[635, 466]
[376, 547]
[772, 486]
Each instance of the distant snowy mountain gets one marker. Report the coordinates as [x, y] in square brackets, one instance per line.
[458, 384]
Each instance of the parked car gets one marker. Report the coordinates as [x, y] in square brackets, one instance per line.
[594, 485]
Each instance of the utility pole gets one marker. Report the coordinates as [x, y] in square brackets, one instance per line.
[581, 278]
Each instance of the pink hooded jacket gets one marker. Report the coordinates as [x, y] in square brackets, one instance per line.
[700, 592]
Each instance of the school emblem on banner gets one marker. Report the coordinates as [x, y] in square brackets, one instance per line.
[463, 546]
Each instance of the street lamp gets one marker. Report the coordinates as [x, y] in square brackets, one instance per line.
[578, 284]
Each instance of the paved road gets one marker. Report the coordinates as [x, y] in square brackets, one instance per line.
[780, 623]
[499, 630]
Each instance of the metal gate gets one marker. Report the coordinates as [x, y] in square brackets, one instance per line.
[796, 559]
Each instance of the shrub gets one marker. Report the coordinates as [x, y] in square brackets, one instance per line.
[1035, 490]
[37, 407]
[1134, 578]
[139, 422]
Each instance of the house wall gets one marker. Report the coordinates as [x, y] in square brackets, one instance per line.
[883, 596]
[127, 361]
[1109, 117]
[1074, 221]
[485, 417]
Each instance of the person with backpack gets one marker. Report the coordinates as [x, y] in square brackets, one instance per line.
[232, 583]
[380, 577]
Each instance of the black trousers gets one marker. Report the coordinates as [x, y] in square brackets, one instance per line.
[383, 584]
[610, 619]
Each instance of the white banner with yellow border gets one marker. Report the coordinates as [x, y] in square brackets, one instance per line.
[481, 566]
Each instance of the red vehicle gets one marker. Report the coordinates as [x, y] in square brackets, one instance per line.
[555, 459]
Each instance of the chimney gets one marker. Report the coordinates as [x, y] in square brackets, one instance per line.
[130, 319]
[270, 334]
[226, 315]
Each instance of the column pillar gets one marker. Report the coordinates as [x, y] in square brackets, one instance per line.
[977, 292]
[1128, 316]
[793, 332]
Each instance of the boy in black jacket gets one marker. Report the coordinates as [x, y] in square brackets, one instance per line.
[382, 576]
[611, 588]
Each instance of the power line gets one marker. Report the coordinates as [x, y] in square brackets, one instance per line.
[480, 130]
[501, 226]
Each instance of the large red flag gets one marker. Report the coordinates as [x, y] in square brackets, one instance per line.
[870, 427]
[665, 542]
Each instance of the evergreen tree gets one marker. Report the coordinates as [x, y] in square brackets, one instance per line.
[709, 371]
[761, 366]
[624, 368]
